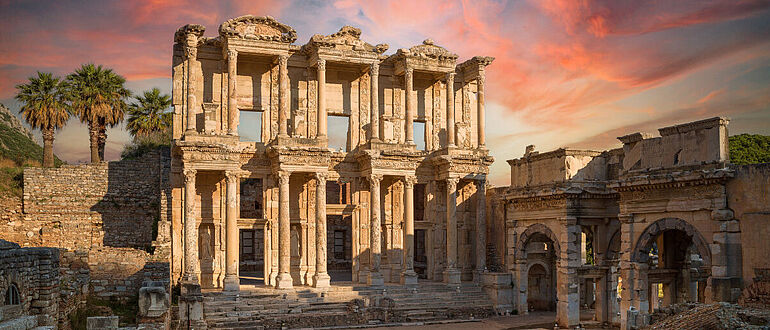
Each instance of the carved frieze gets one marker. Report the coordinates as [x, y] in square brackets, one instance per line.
[264, 28]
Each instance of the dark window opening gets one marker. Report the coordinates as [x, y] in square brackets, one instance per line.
[339, 244]
[419, 202]
[251, 198]
[337, 192]
[420, 258]
[12, 295]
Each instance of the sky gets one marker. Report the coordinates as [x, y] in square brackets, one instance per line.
[568, 73]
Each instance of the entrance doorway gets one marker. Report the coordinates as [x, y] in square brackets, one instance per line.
[339, 258]
[420, 257]
[251, 256]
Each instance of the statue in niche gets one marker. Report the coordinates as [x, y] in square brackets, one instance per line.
[295, 243]
[205, 243]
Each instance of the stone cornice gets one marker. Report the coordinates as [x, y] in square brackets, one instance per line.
[348, 38]
[672, 179]
[696, 125]
[561, 152]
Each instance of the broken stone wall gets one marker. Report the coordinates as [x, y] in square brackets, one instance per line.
[34, 272]
[748, 196]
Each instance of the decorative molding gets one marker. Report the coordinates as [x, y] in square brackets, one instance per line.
[263, 28]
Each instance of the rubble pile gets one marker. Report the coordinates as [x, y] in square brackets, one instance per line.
[711, 316]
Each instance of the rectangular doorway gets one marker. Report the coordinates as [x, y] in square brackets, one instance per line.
[420, 257]
[251, 254]
[339, 241]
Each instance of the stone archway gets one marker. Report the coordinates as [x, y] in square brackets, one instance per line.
[652, 231]
[532, 230]
[537, 246]
[669, 248]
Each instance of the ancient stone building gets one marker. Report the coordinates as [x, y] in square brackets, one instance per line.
[625, 231]
[256, 186]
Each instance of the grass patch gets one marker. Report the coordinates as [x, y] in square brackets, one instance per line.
[20, 149]
[126, 311]
[11, 180]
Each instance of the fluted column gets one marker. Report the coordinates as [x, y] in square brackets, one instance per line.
[374, 77]
[480, 108]
[191, 52]
[481, 227]
[321, 70]
[321, 278]
[283, 95]
[409, 277]
[284, 280]
[451, 273]
[232, 100]
[232, 282]
[375, 244]
[450, 109]
[190, 228]
[409, 120]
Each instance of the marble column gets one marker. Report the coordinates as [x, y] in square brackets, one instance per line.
[284, 280]
[409, 120]
[232, 282]
[283, 95]
[321, 278]
[450, 109]
[481, 227]
[451, 273]
[232, 99]
[190, 229]
[321, 70]
[374, 77]
[191, 52]
[375, 237]
[409, 277]
[480, 109]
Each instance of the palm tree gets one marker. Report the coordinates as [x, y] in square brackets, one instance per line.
[149, 116]
[99, 100]
[45, 107]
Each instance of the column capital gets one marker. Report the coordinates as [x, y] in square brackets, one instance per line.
[410, 181]
[374, 178]
[321, 64]
[374, 69]
[189, 174]
[283, 60]
[232, 176]
[321, 176]
[481, 79]
[450, 76]
[231, 54]
[283, 177]
[409, 72]
[190, 52]
[452, 183]
[481, 182]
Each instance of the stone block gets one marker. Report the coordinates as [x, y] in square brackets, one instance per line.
[102, 323]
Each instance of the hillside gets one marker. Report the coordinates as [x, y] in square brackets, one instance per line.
[17, 149]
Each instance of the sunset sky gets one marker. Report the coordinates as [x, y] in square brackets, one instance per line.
[574, 73]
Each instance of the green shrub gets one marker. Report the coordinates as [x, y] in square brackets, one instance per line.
[749, 149]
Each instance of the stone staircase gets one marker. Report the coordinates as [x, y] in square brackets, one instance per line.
[343, 305]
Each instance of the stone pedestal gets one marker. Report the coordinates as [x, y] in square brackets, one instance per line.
[191, 306]
[498, 287]
[452, 276]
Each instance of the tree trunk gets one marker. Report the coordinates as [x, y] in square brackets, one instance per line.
[93, 131]
[102, 139]
[48, 147]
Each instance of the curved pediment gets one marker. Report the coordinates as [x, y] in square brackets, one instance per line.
[195, 29]
[264, 28]
[347, 38]
[428, 50]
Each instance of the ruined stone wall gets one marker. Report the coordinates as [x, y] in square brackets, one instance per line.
[105, 204]
[35, 273]
[748, 196]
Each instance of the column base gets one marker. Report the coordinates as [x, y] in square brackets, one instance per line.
[284, 282]
[321, 280]
[375, 279]
[452, 276]
[363, 276]
[409, 278]
[309, 277]
[232, 283]
[272, 279]
[191, 305]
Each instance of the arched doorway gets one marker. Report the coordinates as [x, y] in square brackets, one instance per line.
[678, 260]
[538, 252]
